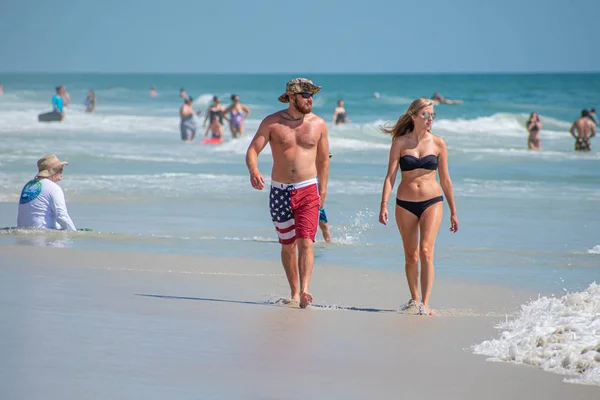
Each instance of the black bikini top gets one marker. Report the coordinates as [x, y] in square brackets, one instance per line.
[410, 163]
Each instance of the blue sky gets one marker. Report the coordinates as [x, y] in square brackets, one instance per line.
[264, 36]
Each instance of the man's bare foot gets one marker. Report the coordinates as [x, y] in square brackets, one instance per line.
[305, 299]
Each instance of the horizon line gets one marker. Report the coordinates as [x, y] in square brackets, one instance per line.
[317, 73]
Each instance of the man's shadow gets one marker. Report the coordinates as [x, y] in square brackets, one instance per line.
[277, 303]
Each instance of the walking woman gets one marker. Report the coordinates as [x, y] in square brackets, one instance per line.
[419, 201]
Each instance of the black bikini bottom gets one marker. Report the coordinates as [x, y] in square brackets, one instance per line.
[418, 207]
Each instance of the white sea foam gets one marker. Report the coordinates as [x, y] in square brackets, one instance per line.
[522, 152]
[100, 187]
[560, 335]
[512, 189]
[594, 250]
[501, 124]
[352, 232]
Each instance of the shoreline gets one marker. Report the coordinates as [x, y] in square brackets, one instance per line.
[186, 326]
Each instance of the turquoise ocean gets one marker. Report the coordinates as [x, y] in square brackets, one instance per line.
[527, 219]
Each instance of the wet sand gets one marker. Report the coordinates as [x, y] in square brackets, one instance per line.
[95, 325]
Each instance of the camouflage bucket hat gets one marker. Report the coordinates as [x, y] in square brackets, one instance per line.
[298, 85]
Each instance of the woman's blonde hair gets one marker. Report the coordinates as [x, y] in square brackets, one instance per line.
[405, 123]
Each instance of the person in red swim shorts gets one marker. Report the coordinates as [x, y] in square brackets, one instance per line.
[300, 147]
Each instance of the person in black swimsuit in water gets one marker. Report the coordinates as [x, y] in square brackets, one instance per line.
[534, 125]
[339, 114]
[419, 201]
[215, 115]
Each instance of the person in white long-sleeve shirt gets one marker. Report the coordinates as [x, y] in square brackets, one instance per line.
[42, 203]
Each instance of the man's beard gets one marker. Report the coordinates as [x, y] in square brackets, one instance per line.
[305, 109]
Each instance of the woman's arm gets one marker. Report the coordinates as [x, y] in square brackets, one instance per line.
[446, 183]
[390, 178]
[246, 110]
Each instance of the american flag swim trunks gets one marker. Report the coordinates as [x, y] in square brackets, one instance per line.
[294, 210]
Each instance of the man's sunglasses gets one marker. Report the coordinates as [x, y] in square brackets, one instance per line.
[427, 115]
[305, 95]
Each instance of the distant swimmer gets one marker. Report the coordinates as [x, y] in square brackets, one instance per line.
[90, 102]
[215, 115]
[299, 147]
[238, 113]
[439, 99]
[153, 91]
[339, 114]
[534, 125]
[1, 89]
[42, 203]
[593, 116]
[187, 125]
[183, 94]
[586, 129]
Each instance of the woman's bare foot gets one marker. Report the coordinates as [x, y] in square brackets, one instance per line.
[425, 310]
[305, 299]
[412, 307]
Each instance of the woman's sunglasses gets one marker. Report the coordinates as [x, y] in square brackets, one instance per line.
[427, 115]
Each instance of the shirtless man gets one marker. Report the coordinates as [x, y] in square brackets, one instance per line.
[300, 148]
[586, 129]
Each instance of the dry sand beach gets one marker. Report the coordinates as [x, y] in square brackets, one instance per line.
[92, 324]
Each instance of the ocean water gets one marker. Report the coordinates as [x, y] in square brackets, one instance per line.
[527, 219]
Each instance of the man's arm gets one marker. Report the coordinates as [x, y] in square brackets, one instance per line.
[572, 131]
[259, 141]
[593, 126]
[60, 208]
[323, 161]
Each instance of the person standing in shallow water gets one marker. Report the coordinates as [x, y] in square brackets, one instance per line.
[90, 102]
[300, 149]
[586, 129]
[187, 125]
[534, 125]
[238, 113]
[419, 201]
[339, 114]
[215, 116]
